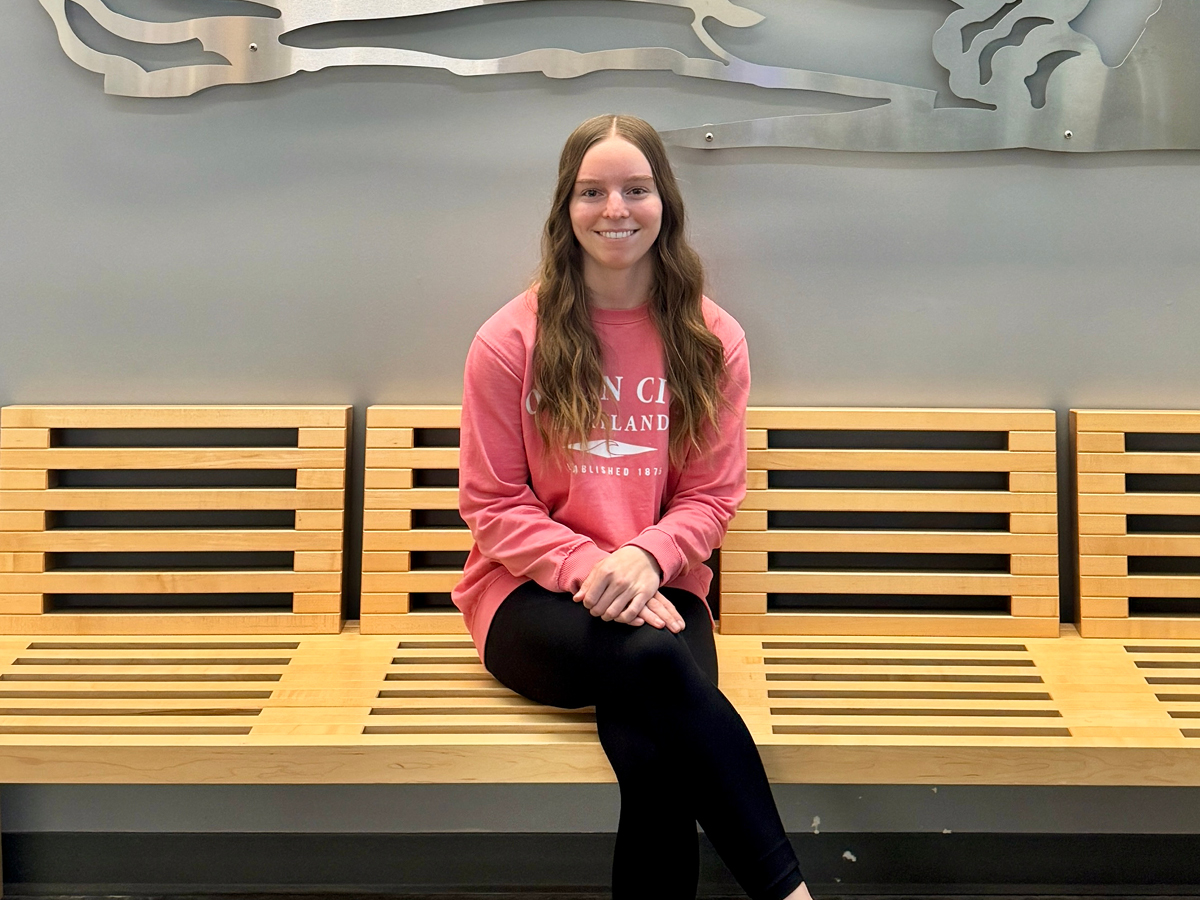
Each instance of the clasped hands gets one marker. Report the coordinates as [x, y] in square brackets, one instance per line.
[623, 587]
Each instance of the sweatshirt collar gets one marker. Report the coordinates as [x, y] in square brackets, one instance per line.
[621, 316]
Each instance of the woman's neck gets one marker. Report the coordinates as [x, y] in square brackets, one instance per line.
[618, 288]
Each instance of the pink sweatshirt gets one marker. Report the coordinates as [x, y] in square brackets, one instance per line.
[534, 519]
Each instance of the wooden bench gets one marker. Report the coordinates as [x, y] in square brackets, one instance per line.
[413, 707]
[353, 708]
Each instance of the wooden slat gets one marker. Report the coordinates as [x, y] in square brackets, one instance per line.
[862, 582]
[1103, 525]
[851, 419]
[878, 623]
[170, 499]
[1041, 564]
[890, 541]
[1033, 482]
[1100, 442]
[22, 604]
[1139, 545]
[219, 581]
[1035, 606]
[901, 460]
[1033, 523]
[319, 519]
[387, 479]
[415, 623]
[1137, 421]
[418, 458]
[389, 438]
[1104, 565]
[413, 416]
[1141, 586]
[391, 561]
[321, 479]
[411, 582]
[312, 561]
[170, 624]
[1151, 504]
[427, 539]
[417, 498]
[173, 416]
[1104, 607]
[332, 438]
[25, 438]
[1100, 483]
[386, 520]
[24, 479]
[22, 562]
[900, 501]
[1045, 441]
[174, 458]
[1146, 463]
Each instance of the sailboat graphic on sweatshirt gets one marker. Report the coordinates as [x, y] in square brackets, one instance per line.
[609, 449]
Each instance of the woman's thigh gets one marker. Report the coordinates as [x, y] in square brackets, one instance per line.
[551, 649]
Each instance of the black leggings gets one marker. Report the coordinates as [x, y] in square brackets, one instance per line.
[680, 751]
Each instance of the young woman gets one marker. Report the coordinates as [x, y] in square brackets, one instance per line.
[603, 454]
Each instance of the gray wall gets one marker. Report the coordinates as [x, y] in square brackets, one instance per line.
[337, 237]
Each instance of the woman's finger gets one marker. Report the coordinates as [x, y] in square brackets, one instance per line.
[665, 609]
[650, 617]
[636, 605]
[613, 602]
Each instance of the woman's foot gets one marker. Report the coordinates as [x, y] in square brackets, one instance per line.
[800, 893]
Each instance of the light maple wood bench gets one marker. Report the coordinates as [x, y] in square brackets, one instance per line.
[353, 708]
[350, 707]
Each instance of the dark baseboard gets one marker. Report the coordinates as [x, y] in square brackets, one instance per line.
[44, 864]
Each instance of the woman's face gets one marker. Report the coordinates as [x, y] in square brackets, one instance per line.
[616, 211]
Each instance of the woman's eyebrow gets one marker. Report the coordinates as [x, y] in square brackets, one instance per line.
[599, 181]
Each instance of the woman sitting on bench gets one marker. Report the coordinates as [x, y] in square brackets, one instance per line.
[602, 457]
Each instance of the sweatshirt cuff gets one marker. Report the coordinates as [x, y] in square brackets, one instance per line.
[577, 565]
[662, 547]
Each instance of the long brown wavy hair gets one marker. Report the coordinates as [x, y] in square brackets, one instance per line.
[567, 354]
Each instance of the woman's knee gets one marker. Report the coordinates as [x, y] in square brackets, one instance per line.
[655, 657]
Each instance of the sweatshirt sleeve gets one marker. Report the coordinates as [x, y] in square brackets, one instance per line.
[710, 486]
[507, 520]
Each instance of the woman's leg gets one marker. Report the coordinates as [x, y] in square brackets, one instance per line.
[680, 750]
[711, 748]
[549, 649]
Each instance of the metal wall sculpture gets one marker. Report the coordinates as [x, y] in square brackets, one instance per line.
[1022, 75]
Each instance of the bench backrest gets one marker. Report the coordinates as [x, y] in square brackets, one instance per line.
[1138, 518]
[172, 519]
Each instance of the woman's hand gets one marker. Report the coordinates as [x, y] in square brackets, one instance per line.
[620, 585]
[660, 612]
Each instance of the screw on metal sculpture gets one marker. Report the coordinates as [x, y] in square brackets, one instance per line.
[709, 137]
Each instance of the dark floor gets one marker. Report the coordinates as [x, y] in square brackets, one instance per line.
[1083, 893]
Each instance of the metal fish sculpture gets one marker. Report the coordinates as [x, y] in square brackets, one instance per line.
[1034, 80]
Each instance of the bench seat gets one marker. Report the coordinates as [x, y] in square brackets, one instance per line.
[354, 708]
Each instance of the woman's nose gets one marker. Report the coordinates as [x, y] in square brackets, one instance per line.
[615, 208]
